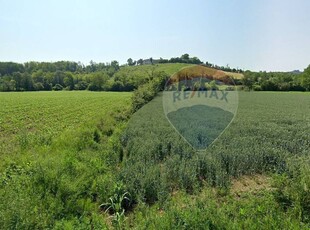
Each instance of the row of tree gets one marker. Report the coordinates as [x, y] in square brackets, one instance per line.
[59, 80]
[109, 78]
[8, 68]
[277, 81]
[185, 58]
[60, 75]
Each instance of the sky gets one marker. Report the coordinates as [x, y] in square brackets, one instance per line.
[271, 35]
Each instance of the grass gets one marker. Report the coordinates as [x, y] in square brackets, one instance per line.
[38, 111]
[57, 157]
[169, 68]
[46, 115]
[270, 130]
[268, 127]
[172, 68]
[209, 210]
[63, 154]
[198, 70]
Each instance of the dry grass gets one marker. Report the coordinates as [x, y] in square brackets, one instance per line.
[250, 184]
[202, 71]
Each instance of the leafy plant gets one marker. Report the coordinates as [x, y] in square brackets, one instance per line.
[116, 205]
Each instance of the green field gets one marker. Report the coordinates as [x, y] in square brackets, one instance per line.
[269, 135]
[39, 117]
[268, 128]
[54, 148]
[63, 154]
[169, 68]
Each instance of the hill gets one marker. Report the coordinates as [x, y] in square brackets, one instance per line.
[172, 68]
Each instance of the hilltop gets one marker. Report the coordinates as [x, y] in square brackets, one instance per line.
[172, 68]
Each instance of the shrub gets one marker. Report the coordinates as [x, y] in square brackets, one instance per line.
[269, 86]
[57, 87]
[148, 91]
[257, 88]
[81, 85]
[38, 86]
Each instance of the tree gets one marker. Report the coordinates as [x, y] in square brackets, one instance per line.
[17, 77]
[10, 67]
[305, 78]
[38, 86]
[57, 87]
[161, 60]
[115, 65]
[81, 85]
[208, 64]
[130, 62]
[6, 84]
[92, 66]
[58, 78]
[185, 57]
[38, 76]
[27, 82]
[248, 80]
[140, 62]
[195, 60]
[269, 85]
[68, 81]
[98, 81]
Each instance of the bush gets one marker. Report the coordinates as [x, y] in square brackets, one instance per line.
[82, 85]
[148, 91]
[269, 86]
[57, 87]
[93, 87]
[257, 88]
[38, 86]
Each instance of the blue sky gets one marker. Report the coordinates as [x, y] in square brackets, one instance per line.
[258, 34]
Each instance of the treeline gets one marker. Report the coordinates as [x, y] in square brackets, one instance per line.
[185, 58]
[277, 81]
[61, 75]
[226, 68]
[66, 75]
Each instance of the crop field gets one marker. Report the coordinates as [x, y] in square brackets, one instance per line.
[268, 128]
[29, 118]
[63, 154]
[53, 149]
[270, 131]
[40, 111]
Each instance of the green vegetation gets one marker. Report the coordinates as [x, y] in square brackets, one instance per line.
[58, 157]
[209, 123]
[65, 75]
[305, 78]
[269, 132]
[275, 81]
[34, 76]
[209, 210]
[81, 160]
